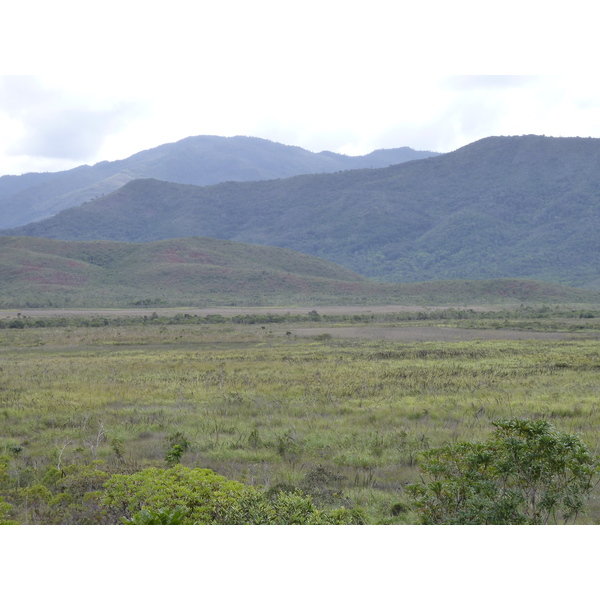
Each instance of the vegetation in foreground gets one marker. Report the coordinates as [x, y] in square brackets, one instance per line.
[527, 473]
[327, 429]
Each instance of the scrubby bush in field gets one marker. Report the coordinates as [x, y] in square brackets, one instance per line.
[69, 495]
[176, 446]
[205, 495]
[199, 496]
[288, 508]
[5, 511]
[526, 473]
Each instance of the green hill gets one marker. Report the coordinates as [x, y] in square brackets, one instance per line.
[37, 272]
[502, 207]
[191, 271]
[199, 160]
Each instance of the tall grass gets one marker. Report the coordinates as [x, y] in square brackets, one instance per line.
[267, 408]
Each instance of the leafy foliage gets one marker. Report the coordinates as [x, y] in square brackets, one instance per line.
[5, 511]
[199, 496]
[177, 444]
[527, 473]
[58, 496]
[162, 516]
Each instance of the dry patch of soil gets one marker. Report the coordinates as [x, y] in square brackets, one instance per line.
[430, 334]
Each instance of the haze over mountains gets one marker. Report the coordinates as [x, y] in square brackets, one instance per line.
[502, 207]
[199, 160]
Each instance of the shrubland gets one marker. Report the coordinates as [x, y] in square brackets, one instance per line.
[310, 428]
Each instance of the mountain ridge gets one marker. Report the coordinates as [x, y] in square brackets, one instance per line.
[197, 160]
[501, 207]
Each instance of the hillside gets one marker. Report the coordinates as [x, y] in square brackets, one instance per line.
[199, 160]
[191, 271]
[502, 207]
[203, 272]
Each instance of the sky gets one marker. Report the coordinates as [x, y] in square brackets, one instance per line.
[100, 81]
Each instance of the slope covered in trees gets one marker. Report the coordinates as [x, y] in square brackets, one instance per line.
[198, 160]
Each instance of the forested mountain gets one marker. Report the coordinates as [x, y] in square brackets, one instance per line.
[194, 271]
[526, 206]
[199, 160]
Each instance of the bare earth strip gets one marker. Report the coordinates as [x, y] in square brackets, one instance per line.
[432, 334]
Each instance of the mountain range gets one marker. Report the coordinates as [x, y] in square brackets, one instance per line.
[198, 160]
[501, 207]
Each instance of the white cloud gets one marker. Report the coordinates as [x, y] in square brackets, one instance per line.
[492, 83]
[50, 125]
[75, 120]
[327, 75]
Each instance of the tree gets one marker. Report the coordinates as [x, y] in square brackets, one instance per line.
[526, 473]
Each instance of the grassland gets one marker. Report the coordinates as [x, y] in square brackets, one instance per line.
[337, 406]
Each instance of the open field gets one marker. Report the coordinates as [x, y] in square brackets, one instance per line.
[339, 409]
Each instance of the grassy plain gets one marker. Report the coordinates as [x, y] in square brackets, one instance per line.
[339, 407]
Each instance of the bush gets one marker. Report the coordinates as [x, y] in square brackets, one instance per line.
[177, 444]
[527, 473]
[5, 511]
[162, 516]
[199, 496]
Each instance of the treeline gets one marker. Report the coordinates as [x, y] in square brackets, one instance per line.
[544, 312]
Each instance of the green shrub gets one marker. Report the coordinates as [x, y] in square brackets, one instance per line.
[199, 496]
[176, 446]
[527, 473]
[288, 508]
[162, 516]
[204, 494]
[6, 510]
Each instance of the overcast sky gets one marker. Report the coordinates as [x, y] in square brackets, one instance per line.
[350, 77]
